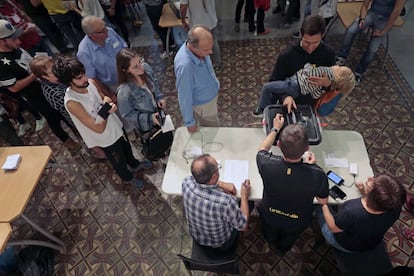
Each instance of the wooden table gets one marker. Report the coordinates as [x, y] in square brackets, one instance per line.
[19, 185]
[242, 144]
[5, 233]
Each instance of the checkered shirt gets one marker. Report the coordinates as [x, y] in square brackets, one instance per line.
[211, 214]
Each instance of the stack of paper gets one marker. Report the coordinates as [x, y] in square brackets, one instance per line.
[12, 162]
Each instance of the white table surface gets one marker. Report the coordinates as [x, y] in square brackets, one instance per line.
[226, 143]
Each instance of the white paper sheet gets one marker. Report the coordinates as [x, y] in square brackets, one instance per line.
[168, 124]
[12, 162]
[236, 171]
[336, 163]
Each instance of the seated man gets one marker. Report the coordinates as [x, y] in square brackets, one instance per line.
[213, 214]
[360, 224]
[381, 17]
[290, 183]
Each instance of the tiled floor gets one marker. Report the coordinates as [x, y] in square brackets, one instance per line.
[115, 229]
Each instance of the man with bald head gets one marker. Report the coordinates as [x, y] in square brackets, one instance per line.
[211, 208]
[97, 52]
[196, 81]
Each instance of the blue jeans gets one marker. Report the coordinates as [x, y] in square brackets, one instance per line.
[326, 232]
[307, 9]
[274, 89]
[371, 21]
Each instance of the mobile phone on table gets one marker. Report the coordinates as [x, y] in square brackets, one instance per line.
[336, 192]
[335, 178]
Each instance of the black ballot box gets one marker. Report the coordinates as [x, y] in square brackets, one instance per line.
[303, 115]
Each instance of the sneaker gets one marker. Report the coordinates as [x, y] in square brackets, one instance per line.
[138, 183]
[358, 79]
[164, 55]
[23, 128]
[340, 61]
[40, 124]
[143, 165]
[70, 144]
[258, 112]
[295, 35]
[237, 27]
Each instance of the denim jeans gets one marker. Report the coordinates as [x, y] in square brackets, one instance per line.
[307, 9]
[371, 21]
[326, 232]
[274, 89]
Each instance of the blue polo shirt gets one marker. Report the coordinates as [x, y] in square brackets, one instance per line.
[196, 82]
[100, 61]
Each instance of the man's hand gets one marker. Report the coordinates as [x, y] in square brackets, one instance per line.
[278, 121]
[322, 201]
[162, 104]
[113, 109]
[289, 103]
[227, 187]
[192, 129]
[361, 24]
[245, 190]
[309, 157]
[320, 81]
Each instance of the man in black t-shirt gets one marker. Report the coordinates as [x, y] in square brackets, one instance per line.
[310, 49]
[360, 224]
[290, 185]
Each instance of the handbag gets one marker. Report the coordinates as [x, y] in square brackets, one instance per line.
[11, 105]
[156, 143]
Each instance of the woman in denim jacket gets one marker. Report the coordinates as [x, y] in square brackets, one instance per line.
[138, 92]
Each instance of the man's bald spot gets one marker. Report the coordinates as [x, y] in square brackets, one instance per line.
[202, 33]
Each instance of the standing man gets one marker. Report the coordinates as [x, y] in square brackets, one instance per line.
[360, 224]
[290, 184]
[202, 12]
[213, 214]
[196, 82]
[83, 101]
[310, 49]
[380, 17]
[97, 52]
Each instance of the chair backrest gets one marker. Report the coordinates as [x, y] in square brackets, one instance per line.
[230, 266]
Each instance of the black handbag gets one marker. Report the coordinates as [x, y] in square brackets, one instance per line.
[156, 143]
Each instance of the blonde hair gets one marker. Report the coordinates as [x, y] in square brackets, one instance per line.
[344, 80]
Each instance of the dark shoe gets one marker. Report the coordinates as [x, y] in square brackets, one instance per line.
[358, 79]
[252, 30]
[237, 27]
[246, 20]
[143, 165]
[258, 112]
[295, 35]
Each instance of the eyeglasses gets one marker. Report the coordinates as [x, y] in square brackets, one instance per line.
[103, 31]
[140, 64]
[218, 167]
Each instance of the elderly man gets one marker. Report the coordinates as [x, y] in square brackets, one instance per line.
[213, 214]
[310, 49]
[97, 52]
[360, 224]
[290, 184]
[380, 15]
[196, 82]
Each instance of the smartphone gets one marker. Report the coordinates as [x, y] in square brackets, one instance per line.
[104, 111]
[336, 192]
[332, 176]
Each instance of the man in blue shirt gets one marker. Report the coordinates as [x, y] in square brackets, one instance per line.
[196, 81]
[380, 15]
[211, 208]
[97, 52]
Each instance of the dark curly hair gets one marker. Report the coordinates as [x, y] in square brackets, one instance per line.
[67, 68]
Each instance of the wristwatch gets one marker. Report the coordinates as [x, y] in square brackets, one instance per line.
[274, 129]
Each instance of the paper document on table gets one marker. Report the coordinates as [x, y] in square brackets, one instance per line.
[336, 163]
[12, 162]
[236, 171]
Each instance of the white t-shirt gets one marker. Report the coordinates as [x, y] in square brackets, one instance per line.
[202, 12]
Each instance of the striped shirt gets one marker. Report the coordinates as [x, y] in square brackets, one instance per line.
[312, 71]
[211, 214]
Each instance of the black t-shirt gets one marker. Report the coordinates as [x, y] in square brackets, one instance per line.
[289, 190]
[14, 66]
[362, 230]
[293, 58]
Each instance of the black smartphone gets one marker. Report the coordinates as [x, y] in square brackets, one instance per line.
[161, 116]
[104, 111]
[332, 176]
[336, 192]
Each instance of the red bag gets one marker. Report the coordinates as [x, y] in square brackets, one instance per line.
[326, 104]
